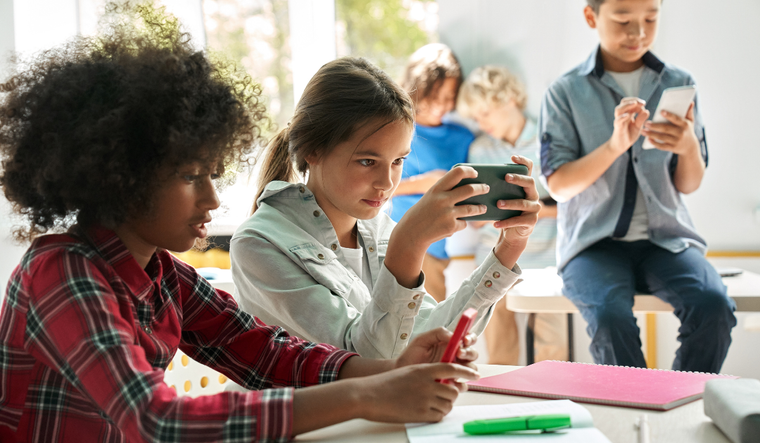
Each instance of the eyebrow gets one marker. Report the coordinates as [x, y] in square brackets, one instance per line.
[372, 153]
[628, 11]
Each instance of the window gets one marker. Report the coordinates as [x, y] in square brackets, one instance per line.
[386, 32]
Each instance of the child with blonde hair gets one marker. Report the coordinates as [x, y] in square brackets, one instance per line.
[496, 99]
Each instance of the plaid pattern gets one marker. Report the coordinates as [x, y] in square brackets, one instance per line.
[85, 335]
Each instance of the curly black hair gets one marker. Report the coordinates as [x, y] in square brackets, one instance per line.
[85, 128]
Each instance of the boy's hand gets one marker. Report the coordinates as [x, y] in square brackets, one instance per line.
[429, 348]
[630, 116]
[677, 136]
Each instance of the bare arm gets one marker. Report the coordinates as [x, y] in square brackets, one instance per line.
[547, 211]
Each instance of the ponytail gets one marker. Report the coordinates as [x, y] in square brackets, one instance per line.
[341, 97]
[277, 165]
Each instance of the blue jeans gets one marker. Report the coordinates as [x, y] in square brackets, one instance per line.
[602, 280]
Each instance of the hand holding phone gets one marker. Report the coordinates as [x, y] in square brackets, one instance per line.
[674, 100]
[463, 328]
[493, 176]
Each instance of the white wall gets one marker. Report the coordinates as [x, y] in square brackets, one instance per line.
[719, 45]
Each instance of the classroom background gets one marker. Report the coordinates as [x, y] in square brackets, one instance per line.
[283, 42]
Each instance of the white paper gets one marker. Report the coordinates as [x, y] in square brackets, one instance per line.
[450, 428]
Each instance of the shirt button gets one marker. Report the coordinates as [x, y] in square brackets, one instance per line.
[147, 330]
[334, 247]
[404, 336]
[316, 213]
[412, 305]
[488, 283]
[496, 274]
[416, 297]
[301, 189]
[371, 249]
[321, 256]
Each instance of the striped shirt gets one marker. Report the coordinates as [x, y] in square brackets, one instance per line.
[86, 333]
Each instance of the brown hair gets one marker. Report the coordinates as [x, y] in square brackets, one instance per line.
[490, 85]
[427, 68]
[595, 4]
[342, 96]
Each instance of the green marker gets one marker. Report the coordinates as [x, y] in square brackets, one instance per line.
[545, 423]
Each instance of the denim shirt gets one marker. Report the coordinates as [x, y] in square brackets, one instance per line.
[289, 270]
[577, 114]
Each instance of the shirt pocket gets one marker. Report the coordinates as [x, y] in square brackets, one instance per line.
[324, 267]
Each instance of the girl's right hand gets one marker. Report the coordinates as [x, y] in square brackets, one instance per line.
[436, 215]
[412, 394]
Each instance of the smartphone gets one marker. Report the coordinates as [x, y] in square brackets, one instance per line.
[674, 100]
[463, 327]
[493, 176]
[729, 272]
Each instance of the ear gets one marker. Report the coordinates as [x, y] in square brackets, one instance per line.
[311, 159]
[590, 16]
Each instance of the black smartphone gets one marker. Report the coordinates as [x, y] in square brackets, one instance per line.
[493, 176]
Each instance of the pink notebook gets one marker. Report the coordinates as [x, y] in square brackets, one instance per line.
[606, 385]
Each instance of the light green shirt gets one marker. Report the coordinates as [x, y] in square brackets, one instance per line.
[289, 270]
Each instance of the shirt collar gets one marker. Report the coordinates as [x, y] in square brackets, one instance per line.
[595, 65]
[110, 247]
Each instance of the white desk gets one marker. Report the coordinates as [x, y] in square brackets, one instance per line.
[684, 424]
[541, 292]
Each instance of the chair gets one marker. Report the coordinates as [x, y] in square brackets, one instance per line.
[188, 377]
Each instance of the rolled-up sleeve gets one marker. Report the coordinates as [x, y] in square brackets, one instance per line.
[560, 143]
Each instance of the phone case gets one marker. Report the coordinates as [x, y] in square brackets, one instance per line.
[463, 327]
[493, 175]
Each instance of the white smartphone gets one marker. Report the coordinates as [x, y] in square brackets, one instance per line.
[674, 100]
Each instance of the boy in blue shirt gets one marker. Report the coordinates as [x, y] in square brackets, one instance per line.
[432, 78]
[622, 224]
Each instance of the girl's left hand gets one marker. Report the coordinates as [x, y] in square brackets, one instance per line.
[429, 348]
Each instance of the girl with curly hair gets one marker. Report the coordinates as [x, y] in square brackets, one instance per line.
[113, 143]
[321, 259]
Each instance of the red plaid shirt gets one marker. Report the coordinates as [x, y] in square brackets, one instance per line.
[85, 336]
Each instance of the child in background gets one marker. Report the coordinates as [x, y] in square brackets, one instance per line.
[496, 99]
[118, 139]
[321, 258]
[432, 78]
[623, 225]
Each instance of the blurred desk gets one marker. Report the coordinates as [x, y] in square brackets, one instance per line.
[686, 423]
[541, 292]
